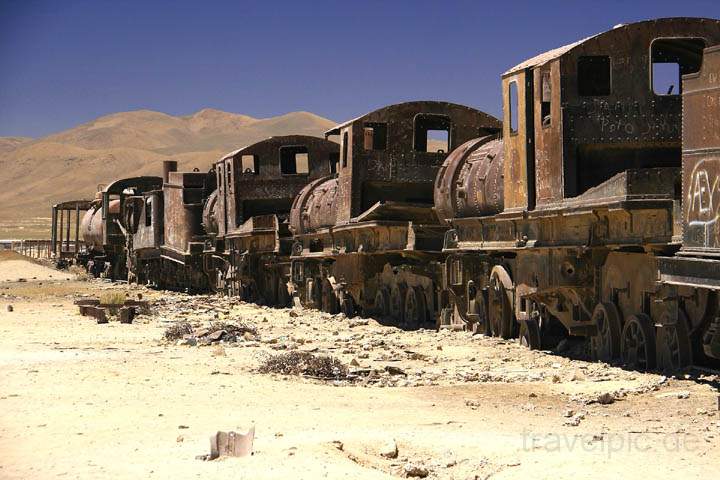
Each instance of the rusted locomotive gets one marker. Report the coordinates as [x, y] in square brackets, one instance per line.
[256, 187]
[166, 238]
[226, 229]
[567, 218]
[366, 238]
[590, 210]
[691, 278]
[103, 230]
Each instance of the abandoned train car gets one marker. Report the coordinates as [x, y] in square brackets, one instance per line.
[366, 238]
[103, 228]
[587, 203]
[256, 186]
[590, 210]
[166, 239]
[692, 277]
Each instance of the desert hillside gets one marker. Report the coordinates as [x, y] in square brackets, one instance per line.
[68, 165]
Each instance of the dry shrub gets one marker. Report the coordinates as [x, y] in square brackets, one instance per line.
[79, 272]
[304, 363]
[233, 329]
[178, 331]
[112, 298]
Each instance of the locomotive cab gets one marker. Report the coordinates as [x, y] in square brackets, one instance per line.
[589, 119]
[389, 158]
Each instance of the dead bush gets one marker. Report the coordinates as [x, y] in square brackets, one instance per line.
[304, 363]
[178, 331]
[112, 298]
[233, 329]
[79, 272]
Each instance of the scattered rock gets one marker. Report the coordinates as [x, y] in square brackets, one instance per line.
[395, 370]
[413, 470]
[293, 314]
[575, 420]
[9, 308]
[681, 395]
[389, 449]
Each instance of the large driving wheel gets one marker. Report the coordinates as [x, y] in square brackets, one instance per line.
[605, 346]
[381, 305]
[330, 302]
[347, 304]
[415, 310]
[502, 320]
[313, 293]
[530, 334]
[674, 350]
[397, 302]
[637, 344]
[283, 296]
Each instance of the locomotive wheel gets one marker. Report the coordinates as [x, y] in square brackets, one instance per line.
[313, 293]
[479, 308]
[499, 309]
[637, 344]
[283, 296]
[381, 305]
[415, 311]
[330, 302]
[347, 305]
[397, 302]
[605, 346]
[674, 350]
[530, 334]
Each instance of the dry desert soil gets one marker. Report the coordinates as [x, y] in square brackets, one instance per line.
[114, 401]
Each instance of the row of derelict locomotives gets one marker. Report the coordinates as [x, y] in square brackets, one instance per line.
[590, 210]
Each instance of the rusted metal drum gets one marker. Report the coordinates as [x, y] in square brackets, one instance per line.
[314, 207]
[470, 181]
[93, 227]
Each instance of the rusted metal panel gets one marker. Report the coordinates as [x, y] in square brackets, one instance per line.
[548, 132]
[515, 136]
[701, 157]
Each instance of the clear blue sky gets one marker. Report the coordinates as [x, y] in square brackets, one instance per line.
[66, 62]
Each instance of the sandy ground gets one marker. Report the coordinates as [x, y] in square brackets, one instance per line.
[82, 400]
[14, 267]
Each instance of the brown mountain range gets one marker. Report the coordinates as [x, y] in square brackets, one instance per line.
[69, 165]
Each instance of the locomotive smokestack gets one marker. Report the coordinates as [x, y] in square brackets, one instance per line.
[168, 166]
